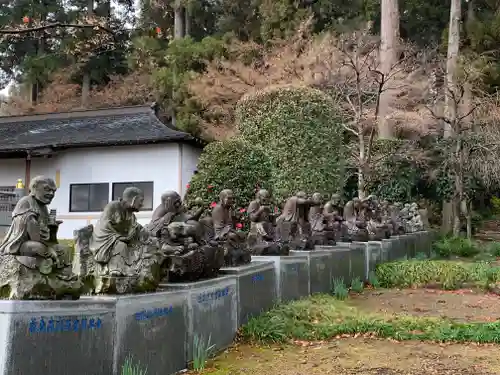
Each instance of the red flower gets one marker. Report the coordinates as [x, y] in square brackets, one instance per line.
[26, 19]
[213, 204]
[188, 186]
[239, 225]
[158, 31]
[210, 187]
[242, 210]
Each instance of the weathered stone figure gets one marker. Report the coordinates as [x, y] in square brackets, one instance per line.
[293, 224]
[235, 250]
[397, 223]
[377, 229]
[126, 258]
[415, 222]
[262, 238]
[333, 211]
[355, 225]
[33, 265]
[321, 233]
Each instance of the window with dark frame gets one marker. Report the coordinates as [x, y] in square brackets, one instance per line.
[145, 186]
[88, 197]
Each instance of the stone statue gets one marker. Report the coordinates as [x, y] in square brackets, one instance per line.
[321, 234]
[371, 212]
[333, 213]
[33, 265]
[189, 255]
[262, 238]
[395, 216]
[126, 257]
[293, 224]
[354, 223]
[236, 252]
[415, 223]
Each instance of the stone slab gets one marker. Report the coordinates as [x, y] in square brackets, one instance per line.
[399, 246]
[292, 275]
[358, 262]
[387, 248]
[341, 261]
[152, 329]
[320, 270]
[212, 311]
[373, 256]
[256, 285]
[56, 337]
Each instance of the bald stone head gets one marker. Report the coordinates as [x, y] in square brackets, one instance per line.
[43, 189]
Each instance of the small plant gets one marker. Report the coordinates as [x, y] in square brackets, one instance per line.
[131, 368]
[373, 279]
[421, 256]
[494, 249]
[201, 352]
[340, 290]
[457, 246]
[357, 285]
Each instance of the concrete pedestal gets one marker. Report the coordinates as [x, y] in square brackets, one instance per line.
[152, 329]
[399, 246]
[358, 263]
[412, 245]
[292, 275]
[256, 286]
[212, 311]
[373, 256]
[56, 337]
[388, 246]
[341, 261]
[320, 270]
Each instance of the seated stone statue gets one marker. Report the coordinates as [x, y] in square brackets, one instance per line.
[33, 265]
[354, 223]
[406, 217]
[177, 228]
[333, 211]
[397, 223]
[321, 233]
[377, 229]
[415, 222]
[236, 251]
[293, 224]
[262, 238]
[127, 259]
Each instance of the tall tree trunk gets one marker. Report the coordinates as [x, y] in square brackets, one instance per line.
[450, 87]
[187, 21]
[389, 55]
[86, 75]
[179, 26]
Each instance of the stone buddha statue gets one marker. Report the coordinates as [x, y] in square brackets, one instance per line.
[333, 213]
[33, 265]
[355, 224]
[262, 238]
[293, 224]
[321, 232]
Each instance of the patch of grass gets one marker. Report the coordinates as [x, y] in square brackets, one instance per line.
[494, 249]
[201, 351]
[373, 279]
[131, 368]
[322, 317]
[445, 274]
[357, 285]
[455, 246]
[421, 256]
[340, 290]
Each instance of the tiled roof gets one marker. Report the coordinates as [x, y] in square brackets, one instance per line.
[115, 126]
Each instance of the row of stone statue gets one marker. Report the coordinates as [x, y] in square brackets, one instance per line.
[118, 255]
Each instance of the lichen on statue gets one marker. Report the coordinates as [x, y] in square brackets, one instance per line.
[262, 238]
[236, 251]
[33, 265]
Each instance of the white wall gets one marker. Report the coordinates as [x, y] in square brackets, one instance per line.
[158, 163]
[190, 156]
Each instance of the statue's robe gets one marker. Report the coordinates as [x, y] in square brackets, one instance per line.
[222, 219]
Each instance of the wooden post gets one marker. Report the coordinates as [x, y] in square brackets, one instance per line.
[27, 176]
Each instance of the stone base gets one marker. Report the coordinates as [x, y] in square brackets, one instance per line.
[398, 248]
[150, 329]
[292, 276]
[358, 260]
[212, 311]
[320, 270]
[373, 256]
[56, 337]
[256, 283]
[341, 261]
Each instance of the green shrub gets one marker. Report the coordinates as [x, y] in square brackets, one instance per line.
[457, 246]
[357, 285]
[131, 368]
[299, 130]
[494, 249]
[373, 279]
[340, 290]
[231, 164]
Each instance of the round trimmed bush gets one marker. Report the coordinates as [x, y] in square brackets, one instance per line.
[231, 164]
[300, 132]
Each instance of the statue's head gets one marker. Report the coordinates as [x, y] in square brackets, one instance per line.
[356, 202]
[263, 196]
[172, 201]
[301, 194]
[317, 198]
[176, 230]
[384, 203]
[43, 189]
[335, 199]
[226, 198]
[133, 198]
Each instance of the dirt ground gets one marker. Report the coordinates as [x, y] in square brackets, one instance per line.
[461, 305]
[360, 356]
